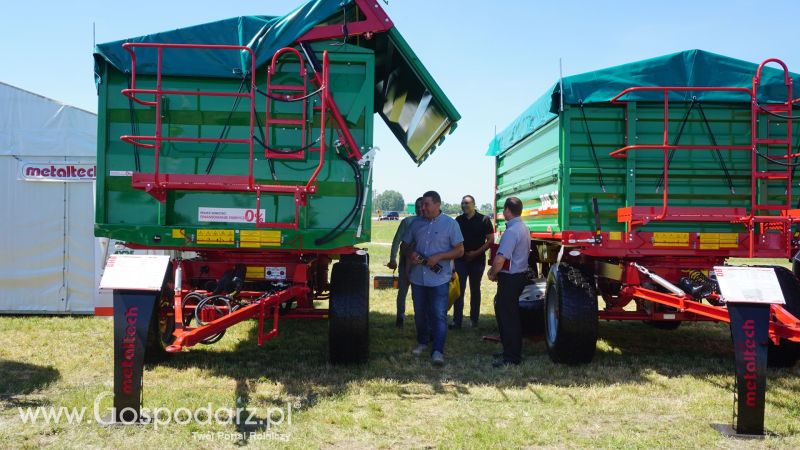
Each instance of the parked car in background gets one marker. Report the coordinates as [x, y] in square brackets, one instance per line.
[390, 215]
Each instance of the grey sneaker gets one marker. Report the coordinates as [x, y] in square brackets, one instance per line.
[437, 358]
[419, 349]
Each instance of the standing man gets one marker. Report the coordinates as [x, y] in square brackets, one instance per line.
[402, 275]
[478, 234]
[515, 245]
[433, 241]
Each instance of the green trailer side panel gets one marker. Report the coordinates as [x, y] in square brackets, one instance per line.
[696, 177]
[530, 171]
[133, 215]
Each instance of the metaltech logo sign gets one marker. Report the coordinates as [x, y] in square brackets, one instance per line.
[56, 171]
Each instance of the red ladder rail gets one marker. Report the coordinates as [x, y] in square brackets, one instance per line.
[300, 94]
[758, 110]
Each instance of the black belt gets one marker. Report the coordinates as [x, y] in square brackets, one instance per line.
[511, 274]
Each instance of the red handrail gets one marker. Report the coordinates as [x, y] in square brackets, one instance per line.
[325, 100]
[665, 146]
[158, 93]
[156, 184]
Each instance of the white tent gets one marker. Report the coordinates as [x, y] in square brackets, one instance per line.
[47, 245]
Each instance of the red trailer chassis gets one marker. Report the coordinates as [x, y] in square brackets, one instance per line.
[302, 279]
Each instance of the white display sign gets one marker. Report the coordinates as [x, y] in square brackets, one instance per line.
[749, 285]
[135, 272]
[56, 171]
[239, 215]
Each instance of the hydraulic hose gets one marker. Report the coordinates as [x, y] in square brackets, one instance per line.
[348, 219]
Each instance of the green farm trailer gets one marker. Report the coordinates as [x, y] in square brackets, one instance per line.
[248, 142]
[638, 180]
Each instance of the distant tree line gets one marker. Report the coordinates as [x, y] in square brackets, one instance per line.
[390, 200]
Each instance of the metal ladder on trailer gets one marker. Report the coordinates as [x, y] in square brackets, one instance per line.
[636, 216]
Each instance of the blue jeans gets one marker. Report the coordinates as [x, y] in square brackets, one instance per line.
[430, 314]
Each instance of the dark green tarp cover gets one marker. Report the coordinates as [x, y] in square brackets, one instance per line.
[686, 68]
[413, 92]
[264, 34]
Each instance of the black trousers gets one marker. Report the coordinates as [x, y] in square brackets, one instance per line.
[506, 309]
[472, 271]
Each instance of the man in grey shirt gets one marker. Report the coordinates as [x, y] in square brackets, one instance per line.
[402, 268]
[508, 269]
[436, 240]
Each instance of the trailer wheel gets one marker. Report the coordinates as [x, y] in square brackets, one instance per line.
[162, 325]
[531, 315]
[348, 337]
[787, 353]
[570, 315]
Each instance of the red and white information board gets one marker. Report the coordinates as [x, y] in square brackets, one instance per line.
[749, 285]
[236, 215]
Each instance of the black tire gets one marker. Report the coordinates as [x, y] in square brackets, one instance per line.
[787, 353]
[570, 315]
[531, 315]
[162, 324]
[348, 328]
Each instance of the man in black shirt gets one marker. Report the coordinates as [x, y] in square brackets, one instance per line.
[478, 235]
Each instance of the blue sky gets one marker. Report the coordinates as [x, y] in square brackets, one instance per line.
[491, 58]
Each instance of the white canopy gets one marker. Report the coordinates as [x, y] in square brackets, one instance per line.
[47, 155]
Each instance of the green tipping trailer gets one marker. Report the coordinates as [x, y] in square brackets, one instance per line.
[380, 75]
[588, 162]
[249, 142]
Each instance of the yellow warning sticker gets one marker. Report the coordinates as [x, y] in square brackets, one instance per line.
[615, 236]
[671, 239]
[259, 238]
[178, 233]
[208, 236]
[255, 272]
[716, 241]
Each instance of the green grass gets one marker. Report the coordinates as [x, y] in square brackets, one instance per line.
[645, 388]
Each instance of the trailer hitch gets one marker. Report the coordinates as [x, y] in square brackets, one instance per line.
[261, 308]
[675, 290]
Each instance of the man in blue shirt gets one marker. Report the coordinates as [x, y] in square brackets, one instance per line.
[402, 268]
[508, 269]
[434, 240]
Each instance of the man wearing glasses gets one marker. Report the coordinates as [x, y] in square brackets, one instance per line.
[478, 235]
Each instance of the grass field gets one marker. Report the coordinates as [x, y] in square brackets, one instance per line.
[646, 388]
